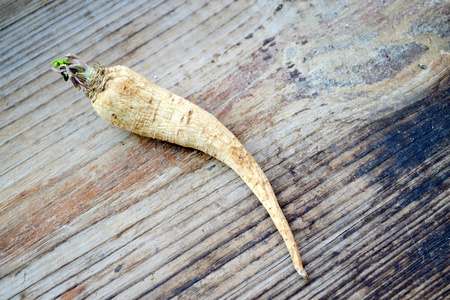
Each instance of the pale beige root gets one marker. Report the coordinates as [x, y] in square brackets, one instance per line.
[128, 100]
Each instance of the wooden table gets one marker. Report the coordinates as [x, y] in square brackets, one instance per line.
[344, 104]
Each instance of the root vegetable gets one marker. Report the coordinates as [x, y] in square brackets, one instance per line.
[129, 101]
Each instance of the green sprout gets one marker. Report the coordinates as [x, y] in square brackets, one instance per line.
[79, 73]
[59, 62]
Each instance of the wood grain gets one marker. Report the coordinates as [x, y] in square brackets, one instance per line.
[329, 99]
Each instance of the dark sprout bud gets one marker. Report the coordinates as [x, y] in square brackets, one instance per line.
[79, 72]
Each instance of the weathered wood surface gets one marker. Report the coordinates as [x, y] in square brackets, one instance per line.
[328, 97]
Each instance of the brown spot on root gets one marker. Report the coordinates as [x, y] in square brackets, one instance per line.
[128, 88]
[189, 116]
[156, 111]
[240, 154]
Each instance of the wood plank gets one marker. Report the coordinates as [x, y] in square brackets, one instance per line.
[328, 97]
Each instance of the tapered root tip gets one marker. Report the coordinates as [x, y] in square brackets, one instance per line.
[301, 271]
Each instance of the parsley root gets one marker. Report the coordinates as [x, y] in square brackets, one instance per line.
[129, 101]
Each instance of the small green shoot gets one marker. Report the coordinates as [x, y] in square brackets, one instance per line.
[79, 73]
[59, 62]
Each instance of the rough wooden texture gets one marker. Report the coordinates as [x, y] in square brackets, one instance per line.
[327, 96]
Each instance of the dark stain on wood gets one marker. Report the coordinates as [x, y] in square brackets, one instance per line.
[410, 136]
[373, 70]
[436, 22]
[268, 40]
[378, 69]
[118, 268]
[279, 7]
[294, 74]
[402, 145]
